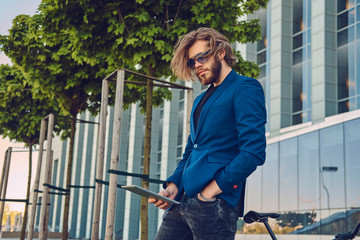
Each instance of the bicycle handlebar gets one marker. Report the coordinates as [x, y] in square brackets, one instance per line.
[349, 235]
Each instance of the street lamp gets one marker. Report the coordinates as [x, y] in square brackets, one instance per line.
[322, 170]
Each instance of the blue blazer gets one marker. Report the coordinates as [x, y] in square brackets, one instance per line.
[229, 142]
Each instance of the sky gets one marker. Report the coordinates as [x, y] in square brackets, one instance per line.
[19, 166]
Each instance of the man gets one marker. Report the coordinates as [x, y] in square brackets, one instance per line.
[226, 142]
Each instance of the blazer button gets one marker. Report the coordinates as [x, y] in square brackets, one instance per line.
[235, 186]
[195, 145]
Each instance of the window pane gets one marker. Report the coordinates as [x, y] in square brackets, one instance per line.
[342, 37]
[297, 88]
[343, 76]
[298, 16]
[308, 223]
[358, 68]
[309, 171]
[261, 57]
[345, 4]
[351, 84]
[343, 106]
[337, 224]
[298, 41]
[345, 19]
[351, 34]
[352, 163]
[262, 71]
[342, 20]
[297, 119]
[253, 191]
[270, 178]
[345, 36]
[288, 175]
[332, 167]
[262, 43]
[297, 56]
[352, 16]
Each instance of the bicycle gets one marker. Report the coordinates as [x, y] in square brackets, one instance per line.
[253, 216]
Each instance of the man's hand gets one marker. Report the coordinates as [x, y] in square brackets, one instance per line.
[210, 191]
[170, 192]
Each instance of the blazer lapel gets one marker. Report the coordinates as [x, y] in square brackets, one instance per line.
[220, 89]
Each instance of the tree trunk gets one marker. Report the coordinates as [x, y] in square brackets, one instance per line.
[146, 163]
[23, 227]
[68, 178]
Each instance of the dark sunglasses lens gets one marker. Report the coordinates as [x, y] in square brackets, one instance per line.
[202, 59]
[191, 63]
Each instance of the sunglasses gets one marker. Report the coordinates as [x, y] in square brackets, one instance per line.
[200, 57]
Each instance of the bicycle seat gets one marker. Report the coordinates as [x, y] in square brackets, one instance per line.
[253, 216]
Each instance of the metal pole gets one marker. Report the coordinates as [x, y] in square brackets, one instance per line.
[37, 179]
[3, 172]
[189, 103]
[44, 203]
[3, 193]
[48, 198]
[115, 155]
[268, 228]
[100, 159]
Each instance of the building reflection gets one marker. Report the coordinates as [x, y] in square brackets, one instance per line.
[311, 177]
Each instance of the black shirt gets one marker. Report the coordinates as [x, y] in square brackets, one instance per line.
[206, 96]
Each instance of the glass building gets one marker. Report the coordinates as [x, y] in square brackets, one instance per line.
[308, 58]
[311, 171]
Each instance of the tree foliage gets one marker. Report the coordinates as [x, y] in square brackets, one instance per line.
[68, 47]
[20, 111]
[126, 34]
[48, 68]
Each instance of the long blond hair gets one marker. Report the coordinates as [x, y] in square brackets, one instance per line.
[217, 42]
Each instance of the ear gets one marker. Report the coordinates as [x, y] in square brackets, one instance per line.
[221, 54]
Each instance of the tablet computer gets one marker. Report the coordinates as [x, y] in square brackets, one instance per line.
[147, 193]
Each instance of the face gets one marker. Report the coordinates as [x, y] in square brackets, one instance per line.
[209, 71]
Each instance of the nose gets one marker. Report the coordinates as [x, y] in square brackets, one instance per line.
[197, 64]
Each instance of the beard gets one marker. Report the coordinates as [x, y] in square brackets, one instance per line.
[215, 70]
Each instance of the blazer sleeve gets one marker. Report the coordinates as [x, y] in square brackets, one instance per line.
[176, 177]
[250, 117]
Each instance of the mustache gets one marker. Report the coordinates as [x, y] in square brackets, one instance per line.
[200, 70]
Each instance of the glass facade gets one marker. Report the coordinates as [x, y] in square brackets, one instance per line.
[312, 180]
[301, 62]
[263, 54]
[348, 55]
[179, 142]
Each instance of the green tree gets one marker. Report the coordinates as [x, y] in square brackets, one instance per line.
[70, 45]
[139, 33]
[50, 71]
[20, 117]
[46, 60]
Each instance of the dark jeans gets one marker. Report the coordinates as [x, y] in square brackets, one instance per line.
[198, 220]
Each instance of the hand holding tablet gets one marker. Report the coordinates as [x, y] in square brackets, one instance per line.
[148, 194]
